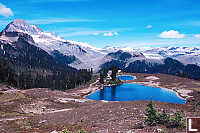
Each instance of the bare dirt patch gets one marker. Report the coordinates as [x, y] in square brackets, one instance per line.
[152, 78]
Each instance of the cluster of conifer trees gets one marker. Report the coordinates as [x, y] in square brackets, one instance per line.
[104, 73]
[40, 78]
[153, 117]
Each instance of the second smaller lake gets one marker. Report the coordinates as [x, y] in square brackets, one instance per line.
[126, 77]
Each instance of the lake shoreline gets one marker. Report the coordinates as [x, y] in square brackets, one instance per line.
[157, 86]
[151, 83]
[183, 96]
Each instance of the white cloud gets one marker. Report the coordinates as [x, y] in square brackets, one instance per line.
[76, 31]
[197, 35]
[111, 34]
[116, 33]
[4, 11]
[108, 34]
[171, 34]
[89, 32]
[149, 26]
[81, 31]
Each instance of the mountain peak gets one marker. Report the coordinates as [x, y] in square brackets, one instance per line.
[20, 25]
[19, 21]
[114, 49]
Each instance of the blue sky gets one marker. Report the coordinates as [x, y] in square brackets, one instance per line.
[134, 23]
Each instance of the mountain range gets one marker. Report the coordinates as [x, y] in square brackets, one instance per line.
[27, 44]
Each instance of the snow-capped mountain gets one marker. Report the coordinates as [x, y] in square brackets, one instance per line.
[19, 25]
[186, 55]
[50, 43]
[108, 49]
[82, 55]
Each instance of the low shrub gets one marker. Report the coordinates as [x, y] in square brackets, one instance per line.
[153, 117]
[67, 131]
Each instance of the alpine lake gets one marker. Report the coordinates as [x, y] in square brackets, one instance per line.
[133, 92]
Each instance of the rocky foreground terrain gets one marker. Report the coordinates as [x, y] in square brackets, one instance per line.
[41, 110]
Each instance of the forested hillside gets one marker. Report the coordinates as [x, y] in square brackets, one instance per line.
[40, 78]
[26, 66]
[170, 66]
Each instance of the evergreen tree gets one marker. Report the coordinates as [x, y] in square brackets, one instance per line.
[163, 118]
[176, 121]
[104, 72]
[153, 117]
[151, 114]
[114, 73]
[91, 70]
[101, 78]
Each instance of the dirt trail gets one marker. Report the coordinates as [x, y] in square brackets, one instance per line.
[56, 111]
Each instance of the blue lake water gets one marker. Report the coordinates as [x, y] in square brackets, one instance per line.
[126, 77]
[132, 92]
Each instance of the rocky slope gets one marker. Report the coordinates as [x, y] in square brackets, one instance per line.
[54, 45]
